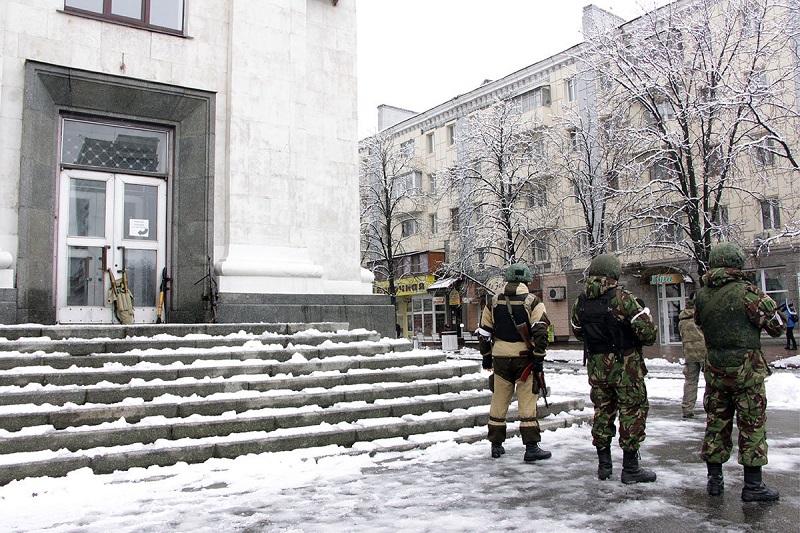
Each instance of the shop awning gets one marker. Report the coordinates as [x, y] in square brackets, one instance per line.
[444, 284]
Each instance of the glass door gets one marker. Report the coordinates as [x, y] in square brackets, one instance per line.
[109, 224]
[671, 300]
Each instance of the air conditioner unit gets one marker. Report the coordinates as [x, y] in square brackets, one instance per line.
[557, 293]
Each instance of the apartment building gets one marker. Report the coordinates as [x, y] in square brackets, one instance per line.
[213, 141]
[758, 202]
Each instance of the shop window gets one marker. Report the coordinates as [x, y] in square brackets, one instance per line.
[162, 15]
[773, 281]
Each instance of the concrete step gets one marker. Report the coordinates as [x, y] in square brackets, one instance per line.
[114, 397]
[165, 368]
[156, 428]
[164, 453]
[17, 417]
[118, 331]
[79, 347]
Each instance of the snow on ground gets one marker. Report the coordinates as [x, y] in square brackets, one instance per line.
[447, 487]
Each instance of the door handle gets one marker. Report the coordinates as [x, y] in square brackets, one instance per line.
[124, 259]
[104, 258]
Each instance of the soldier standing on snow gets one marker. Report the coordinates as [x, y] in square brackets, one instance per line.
[694, 356]
[613, 327]
[732, 313]
[508, 357]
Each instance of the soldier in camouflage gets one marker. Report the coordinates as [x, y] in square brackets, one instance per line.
[613, 327]
[732, 312]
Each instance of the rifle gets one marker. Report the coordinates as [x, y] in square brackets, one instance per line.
[539, 384]
[538, 376]
[162, 293]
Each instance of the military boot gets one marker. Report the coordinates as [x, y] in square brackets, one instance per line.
[497, 450]
[716, 485]
[754, 489]
[534, 453]
[604, 463]
[631, 472]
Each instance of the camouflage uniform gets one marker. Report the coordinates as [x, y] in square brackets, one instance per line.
[736, 366]
[694, 356]
[618, 383]
[732, 313]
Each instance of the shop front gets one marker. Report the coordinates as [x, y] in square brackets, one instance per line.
[421, 311]
[671, 295]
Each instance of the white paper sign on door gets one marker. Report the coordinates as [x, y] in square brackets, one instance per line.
[139, 227]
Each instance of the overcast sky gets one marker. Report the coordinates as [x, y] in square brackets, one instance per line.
[416, 54]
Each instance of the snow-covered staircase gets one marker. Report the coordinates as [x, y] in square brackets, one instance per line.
[116, 397]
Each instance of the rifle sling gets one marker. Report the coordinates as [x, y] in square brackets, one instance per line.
[529, 349]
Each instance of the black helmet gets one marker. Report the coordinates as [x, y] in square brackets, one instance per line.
[519, 272]
[726, 254]
[607, 265]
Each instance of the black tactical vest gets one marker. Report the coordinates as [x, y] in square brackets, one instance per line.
[602, 332]
[504, 328]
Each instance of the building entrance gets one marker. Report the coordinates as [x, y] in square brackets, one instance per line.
[109, 224]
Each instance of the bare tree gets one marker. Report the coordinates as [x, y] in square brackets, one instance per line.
[705, 99]
[593, 160]
[500, 186]
[390, 192]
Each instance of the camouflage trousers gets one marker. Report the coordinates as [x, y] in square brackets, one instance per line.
[736, 390]
[506, 378]
[618, 386]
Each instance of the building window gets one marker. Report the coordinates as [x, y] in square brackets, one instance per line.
[771, 213]
[165, 15]
[572, 90]
[451, 134]
[668, 232]
[531, 100]
[573, 140]
[113, 146]
[431, 141]
[409, 227]
[432, 182]
[407, 184]
[659, 171]
[615, 241]
[539, 250]
[765, 152]
[407, 148]
[537, 196]
[415, 264]
[432, 223]
[454, 219]
[612, 180]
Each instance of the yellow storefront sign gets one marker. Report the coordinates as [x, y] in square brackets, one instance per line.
[405, 286]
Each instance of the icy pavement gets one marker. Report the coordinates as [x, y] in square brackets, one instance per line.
[448, 487]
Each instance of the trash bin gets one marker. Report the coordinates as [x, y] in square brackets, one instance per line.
[449, 341]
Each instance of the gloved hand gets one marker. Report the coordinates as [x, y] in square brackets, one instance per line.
[537, 362]
[487, 361]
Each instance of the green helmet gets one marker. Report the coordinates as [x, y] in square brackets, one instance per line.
[519, 272]
[607, 265]
[726, 254]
